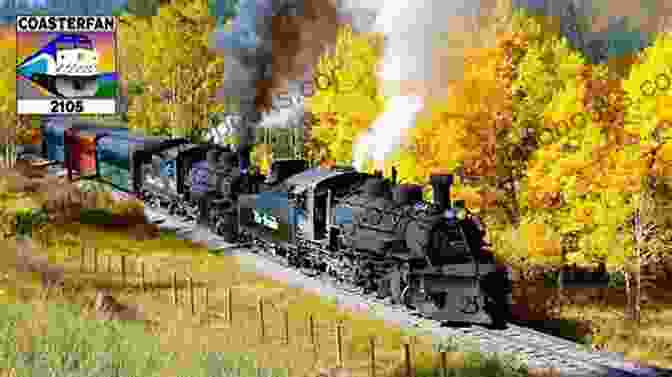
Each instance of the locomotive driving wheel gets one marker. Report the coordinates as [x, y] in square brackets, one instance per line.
[174, 208]
[415, 297]
[396, 284]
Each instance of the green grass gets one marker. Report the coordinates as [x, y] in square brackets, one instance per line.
[56, 341]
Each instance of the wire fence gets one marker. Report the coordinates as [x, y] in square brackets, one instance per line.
[324, 338]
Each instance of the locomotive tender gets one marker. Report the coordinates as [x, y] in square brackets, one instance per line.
[358, 227]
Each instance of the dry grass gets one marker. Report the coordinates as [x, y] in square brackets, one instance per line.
[178, 331]
[650, 343]
[26, 268]
[596, 315]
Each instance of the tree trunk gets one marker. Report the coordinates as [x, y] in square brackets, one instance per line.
[560, 290]
[628, 295]
[637, 289]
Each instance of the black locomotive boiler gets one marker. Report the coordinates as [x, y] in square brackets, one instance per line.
[371, 232]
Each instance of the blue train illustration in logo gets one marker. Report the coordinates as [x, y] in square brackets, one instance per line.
[67, 66]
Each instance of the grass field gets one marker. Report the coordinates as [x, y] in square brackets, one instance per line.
[56, 254]
[188, 336]
[39, 339]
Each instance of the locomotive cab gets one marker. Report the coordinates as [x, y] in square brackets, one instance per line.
[283, 169]
[321, 199]
[299, 207]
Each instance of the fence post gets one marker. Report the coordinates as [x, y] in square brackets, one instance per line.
[313, 339]
[123, 271]
[206, 295]
[109, 263]
[205, 305]
[260, 310]
[46, 289]
[339, 344]
[285, 318]
[95, 260]
[229, 305]
[372, 347]
[156, 271]
[444, 364]
[407, 358]
[142, 276]
[83, 259]
[191, 295]
[174, 285]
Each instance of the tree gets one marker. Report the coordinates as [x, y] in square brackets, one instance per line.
[346, 99]
[647, 122]
[9, 135]
[143, 8]
[608, 159]
[169, 54]
[478, 121]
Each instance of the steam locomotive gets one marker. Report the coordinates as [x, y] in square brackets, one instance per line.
[383, 237]
[357, 227]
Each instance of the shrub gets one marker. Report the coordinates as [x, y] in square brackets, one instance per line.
[96, 216]
[27, 220]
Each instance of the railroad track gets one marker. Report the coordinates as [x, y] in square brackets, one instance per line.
[537, 349]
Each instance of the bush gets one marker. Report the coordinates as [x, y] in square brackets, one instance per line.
[96, 216]
[128, 208]
[616, 279]
[27, 220]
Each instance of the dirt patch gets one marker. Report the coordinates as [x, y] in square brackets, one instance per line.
[28, 259]
[106, 307]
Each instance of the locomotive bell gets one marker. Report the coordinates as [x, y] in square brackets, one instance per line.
[441, 190]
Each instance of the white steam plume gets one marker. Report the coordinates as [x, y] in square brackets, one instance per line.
[425, 43]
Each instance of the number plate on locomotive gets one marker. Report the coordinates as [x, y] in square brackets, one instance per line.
[266, 220]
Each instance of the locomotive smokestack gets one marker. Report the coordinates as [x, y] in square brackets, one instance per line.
[441, 190]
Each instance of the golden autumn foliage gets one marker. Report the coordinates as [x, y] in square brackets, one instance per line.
[348, 102]
[541, 242]
[8, 78]
[467, 121]
[169, 55]
[10, 133]
[262, 156]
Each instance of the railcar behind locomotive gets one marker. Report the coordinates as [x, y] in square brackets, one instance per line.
[383, 237]
[80, 137]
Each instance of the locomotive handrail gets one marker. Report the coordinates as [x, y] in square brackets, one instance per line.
[387, 212]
